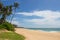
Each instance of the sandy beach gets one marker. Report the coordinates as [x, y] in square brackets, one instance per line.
[38, 35]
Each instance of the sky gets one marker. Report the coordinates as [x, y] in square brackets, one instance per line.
[36, 13]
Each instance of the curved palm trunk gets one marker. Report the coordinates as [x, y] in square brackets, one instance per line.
[13, 16]
[15, 5]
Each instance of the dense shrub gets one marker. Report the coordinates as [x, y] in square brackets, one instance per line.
[7, 26]
[2, 27]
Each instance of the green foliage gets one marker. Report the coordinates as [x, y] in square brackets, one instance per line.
[2, 27]
[5, 11]
[16, 4]
[11, 36]
[7, 26]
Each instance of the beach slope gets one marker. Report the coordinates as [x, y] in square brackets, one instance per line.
[38, 35]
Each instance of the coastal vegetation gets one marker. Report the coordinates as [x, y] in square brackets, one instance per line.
[11, 36]
[6, 11]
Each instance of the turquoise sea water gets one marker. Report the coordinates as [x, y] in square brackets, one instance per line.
[45, 29]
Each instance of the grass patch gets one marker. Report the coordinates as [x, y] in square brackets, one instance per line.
[11, 36]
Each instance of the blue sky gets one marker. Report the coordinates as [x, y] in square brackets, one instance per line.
[36, 13]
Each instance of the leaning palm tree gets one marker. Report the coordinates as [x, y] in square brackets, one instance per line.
[1, 6]
[6, 11]
[16, 6]
[1, 12]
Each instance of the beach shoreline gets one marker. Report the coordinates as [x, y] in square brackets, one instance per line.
[38, 35]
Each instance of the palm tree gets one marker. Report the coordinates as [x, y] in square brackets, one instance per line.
[15, 5]
[6, 11]
[1, 12]
[1, 6]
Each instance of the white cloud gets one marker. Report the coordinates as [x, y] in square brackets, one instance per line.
[25, 13]
[48, 14]
[15, 22]
[49, 17]
[44, 13]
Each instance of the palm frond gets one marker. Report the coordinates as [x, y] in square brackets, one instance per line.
[16, 4]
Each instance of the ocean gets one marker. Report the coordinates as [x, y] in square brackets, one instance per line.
[46, 29]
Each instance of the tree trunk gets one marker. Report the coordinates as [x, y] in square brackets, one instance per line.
[2, 20]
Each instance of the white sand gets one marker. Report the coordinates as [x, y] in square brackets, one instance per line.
[38, 35]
